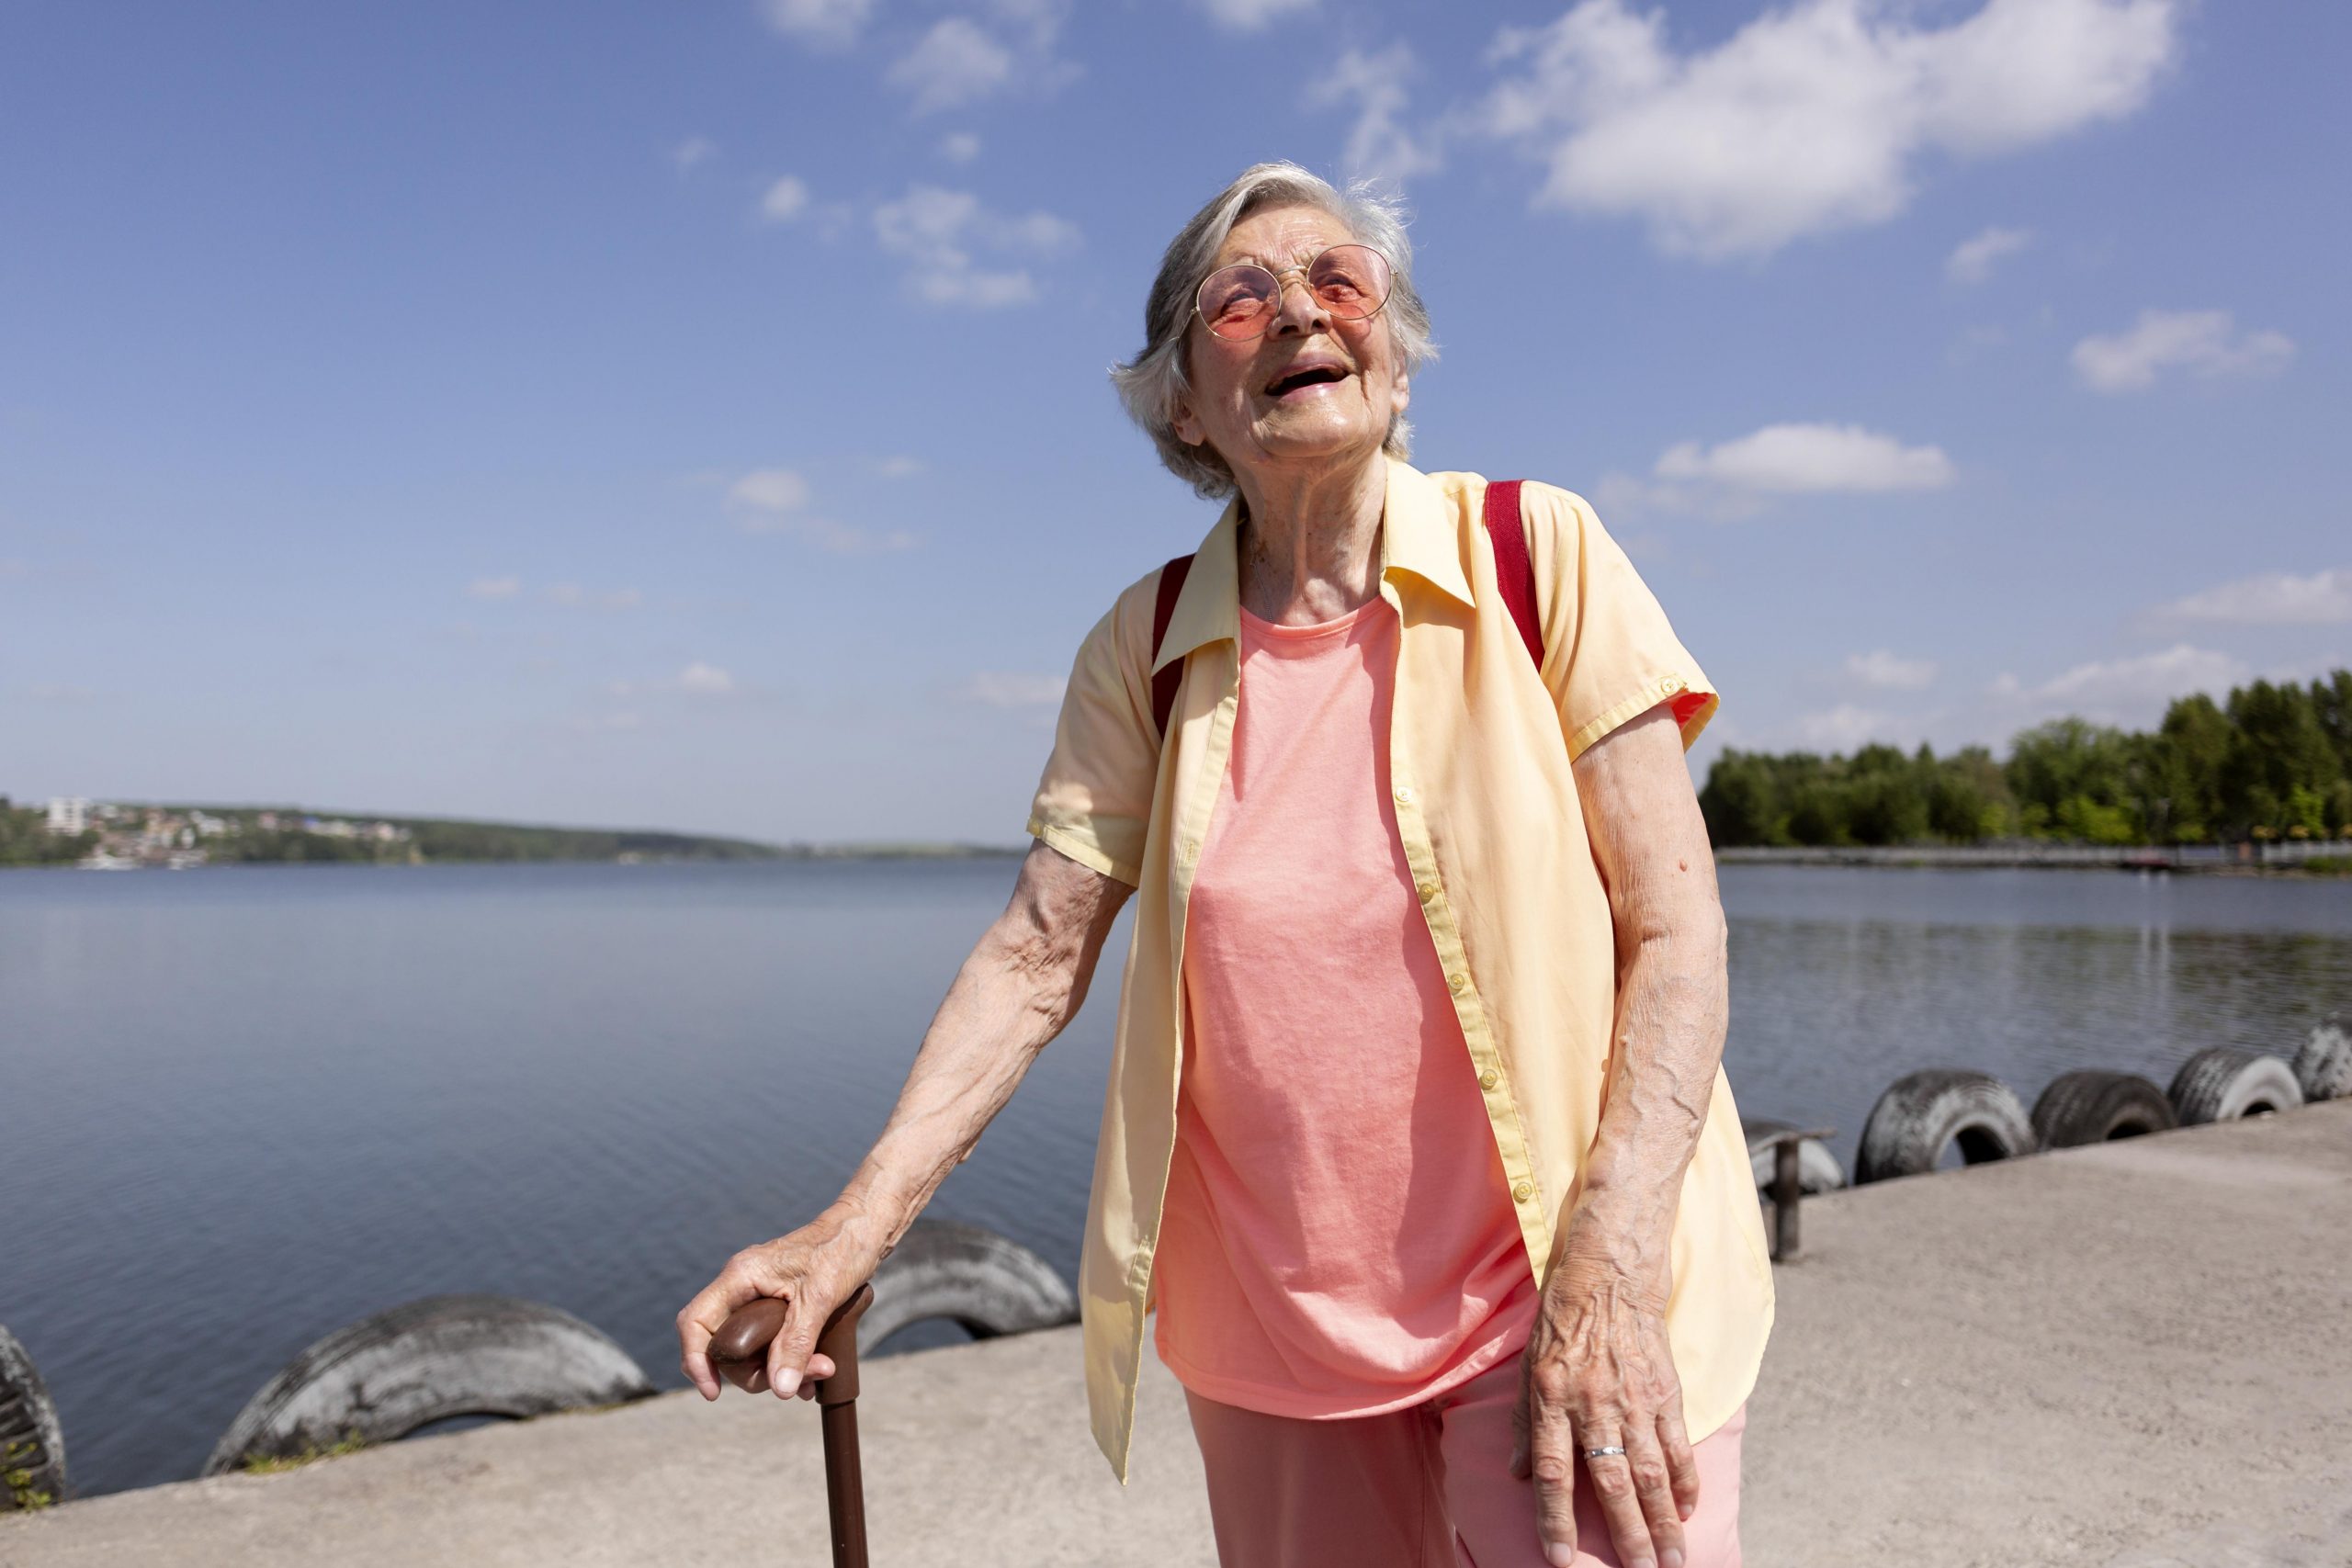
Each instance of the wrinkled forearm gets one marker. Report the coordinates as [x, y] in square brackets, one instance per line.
[1023, 981]
[1673, 1004]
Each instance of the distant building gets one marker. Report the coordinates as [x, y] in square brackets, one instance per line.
[69, 816]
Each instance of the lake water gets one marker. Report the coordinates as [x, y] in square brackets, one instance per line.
[241, 1107]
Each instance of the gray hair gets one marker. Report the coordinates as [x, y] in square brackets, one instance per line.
[1151, 382]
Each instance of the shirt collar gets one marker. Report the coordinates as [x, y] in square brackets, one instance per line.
[1418, 535]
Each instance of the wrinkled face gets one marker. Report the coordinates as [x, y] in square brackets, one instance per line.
[1317, 389]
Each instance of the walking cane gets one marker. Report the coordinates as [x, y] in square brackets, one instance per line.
[738, 1352]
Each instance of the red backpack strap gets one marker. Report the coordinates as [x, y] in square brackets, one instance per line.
[1165, 680]
[1514, 572]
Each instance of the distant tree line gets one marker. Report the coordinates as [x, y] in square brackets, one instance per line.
[2273, 761]
[436, 838]
[440, 841]
[25, 838]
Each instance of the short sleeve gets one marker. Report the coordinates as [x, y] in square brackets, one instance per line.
[1093, 802]
[1610, 653]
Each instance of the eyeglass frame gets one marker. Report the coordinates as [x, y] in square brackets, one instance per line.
[1281, 290]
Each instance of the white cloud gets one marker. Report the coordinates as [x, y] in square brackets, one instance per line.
[592, 723]
[1250, 16]
[1803, 459]
[1972, 261]
[1844, 728]
[1039, 22]
[1810, 118]
[840, 539]
[2131, 691]
[1888, 671]
[937, 231]
[900, 467]
[692, 152]
[959, 147]
[2205, 343]
[2275, 599]
[768, 490]
[785, 200]
[999, 46]
[956, 63]
[1374, 85]
[697, 680]
[572, 596]
[1011, 691]
[1975, 342]
[774, 501]
[484, 587]
[833, 22]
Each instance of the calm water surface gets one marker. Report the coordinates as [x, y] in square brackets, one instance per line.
[241, 1107]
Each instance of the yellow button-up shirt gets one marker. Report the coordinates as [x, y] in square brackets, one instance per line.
[1480, 743]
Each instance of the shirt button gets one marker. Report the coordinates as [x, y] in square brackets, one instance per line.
[1403, 795]
[1191, 848]
[1523, 1191]
[1429, 892]
[1488, 1078]
[1460, 982]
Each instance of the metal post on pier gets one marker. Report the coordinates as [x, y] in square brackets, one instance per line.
[1788, 1186]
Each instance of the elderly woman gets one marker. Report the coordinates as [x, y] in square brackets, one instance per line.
[1417, 1135]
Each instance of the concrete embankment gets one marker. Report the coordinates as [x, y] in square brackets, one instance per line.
[2132, 1354]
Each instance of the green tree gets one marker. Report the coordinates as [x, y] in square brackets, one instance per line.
[1741, 800]
[2276, 747]
[2190, 750]
[1968, 798]
[2068, 760]
[2332, 707]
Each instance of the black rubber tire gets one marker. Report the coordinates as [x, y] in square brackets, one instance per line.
[1817, 1168]
[973, 1277]
[2219, 1084]
[385, 1376]
[1922, 1111]
[32, 1446]
[2323, 1066]
[2093, 1107]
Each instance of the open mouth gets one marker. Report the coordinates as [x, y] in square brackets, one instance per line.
[1307, 376]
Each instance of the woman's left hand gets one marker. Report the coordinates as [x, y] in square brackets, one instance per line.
[1599, 1373]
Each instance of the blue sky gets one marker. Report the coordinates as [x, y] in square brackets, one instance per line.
[694, 414]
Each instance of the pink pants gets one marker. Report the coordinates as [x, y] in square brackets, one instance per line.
[1428, 1486]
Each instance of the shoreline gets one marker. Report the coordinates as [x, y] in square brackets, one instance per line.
[2317, 859]
[860, 852]
[2326, 863]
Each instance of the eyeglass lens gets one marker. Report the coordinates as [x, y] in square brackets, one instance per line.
[1243, 301]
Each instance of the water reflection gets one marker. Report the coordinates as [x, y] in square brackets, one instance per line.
[244, 1108]
[1842, 981]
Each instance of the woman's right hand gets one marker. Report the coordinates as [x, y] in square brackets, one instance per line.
[815, 1268]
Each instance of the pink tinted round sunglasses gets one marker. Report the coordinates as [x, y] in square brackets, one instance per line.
[1240, 302]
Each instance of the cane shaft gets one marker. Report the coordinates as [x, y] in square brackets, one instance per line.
[844, 1485]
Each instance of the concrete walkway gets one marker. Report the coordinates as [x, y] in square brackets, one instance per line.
[2136, 1356]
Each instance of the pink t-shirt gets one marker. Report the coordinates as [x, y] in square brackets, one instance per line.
[1338, 1237]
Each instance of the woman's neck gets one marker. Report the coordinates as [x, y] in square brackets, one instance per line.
[1308, 546]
